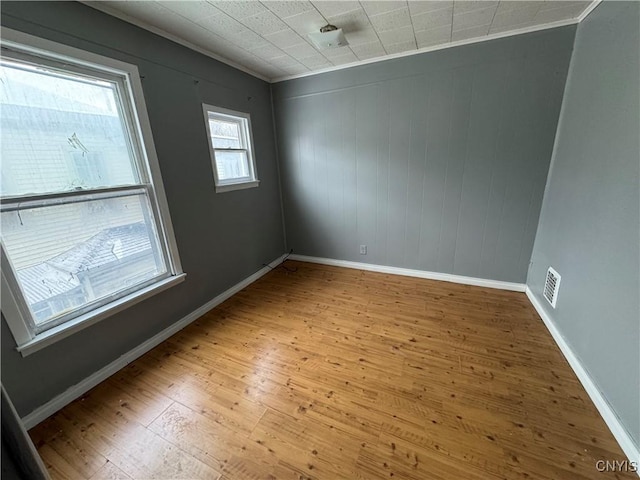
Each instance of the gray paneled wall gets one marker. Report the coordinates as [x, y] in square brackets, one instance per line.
[436, 162]
[590, 223]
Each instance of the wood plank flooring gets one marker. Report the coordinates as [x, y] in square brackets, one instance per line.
[330, 373]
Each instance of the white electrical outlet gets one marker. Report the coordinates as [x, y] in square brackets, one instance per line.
[363, 249]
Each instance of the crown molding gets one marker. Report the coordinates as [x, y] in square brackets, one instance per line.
[589, 9]
[434, 48]
[158, 31]
[142, 24]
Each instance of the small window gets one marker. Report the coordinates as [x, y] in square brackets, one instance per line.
[231, 147]
[85, 227]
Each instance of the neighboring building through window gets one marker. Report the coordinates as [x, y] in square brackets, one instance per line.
[231, 147]
[84, 221]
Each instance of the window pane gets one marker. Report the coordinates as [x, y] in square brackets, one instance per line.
[67, 256]
[224, 134]
[60, 132]
[232, 165]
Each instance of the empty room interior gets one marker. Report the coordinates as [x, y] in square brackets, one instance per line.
[320, 239]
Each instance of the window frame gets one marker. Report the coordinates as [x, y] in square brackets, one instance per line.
[135, 118]
[243, 120]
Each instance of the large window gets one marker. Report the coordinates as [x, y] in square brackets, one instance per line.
[83, 217]
[231, 147]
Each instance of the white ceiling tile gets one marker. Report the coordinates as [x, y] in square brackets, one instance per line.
[474, 18]
[437, 18]
[332, 53]
[391, 20]
[344, 59]
[515, 16]
[377, 7]
[242, 56]
[190, 10]
[286, 38]
[152, 12]
[264, 23]
[226, 48]
[435, 36]
[295, 69]
[474, 32]
[400, 47]
[315, 61]
[267, 52]
[165, 19]
[361, 36]
[465, 6]
[508, 5]
[237, 10]
[257, 63]
[417, 7]
[284, 9]
[333, 8]
[504, 28]
[270, 36]
[284, 62]
[554, 4]
[221, 23]
[246, 39]
[198, 36]
[351, 21]
[302, 50]
[306, 22]
[399, 35]
[273, 72]
[368, 50]
[557, 14]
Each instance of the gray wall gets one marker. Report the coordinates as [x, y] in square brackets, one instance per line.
[589, 226]
[436, 161]
[222, 238]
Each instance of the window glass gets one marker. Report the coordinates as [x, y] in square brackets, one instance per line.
[79, 222]
[60, 132]
[232, 165]
[231, 148]
[225, 134]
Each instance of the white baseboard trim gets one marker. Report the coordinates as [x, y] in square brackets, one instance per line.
[407, 272]
[621, 435]
[69, 395]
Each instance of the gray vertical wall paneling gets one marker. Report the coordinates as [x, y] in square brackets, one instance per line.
[454, 174]
[487, 103]
[399, 129]
[502, 159]
[366, 107]
[516, 193]
[378, 252]
[334, 182]
[443, 156]
[439, 118]
[416, 170]
[348, 171]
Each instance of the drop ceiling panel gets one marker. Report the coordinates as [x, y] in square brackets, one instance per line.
[270, 38]
[432, 19]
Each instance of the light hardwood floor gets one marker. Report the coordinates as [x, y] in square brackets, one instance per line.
[334, 373]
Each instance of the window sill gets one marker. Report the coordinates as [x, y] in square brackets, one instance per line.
[236, 186]
[56, 334]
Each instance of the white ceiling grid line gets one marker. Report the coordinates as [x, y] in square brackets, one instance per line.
[269, 38]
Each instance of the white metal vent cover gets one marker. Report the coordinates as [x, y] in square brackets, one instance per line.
[551, 286]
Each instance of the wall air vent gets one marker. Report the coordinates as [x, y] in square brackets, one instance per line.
[551, 286]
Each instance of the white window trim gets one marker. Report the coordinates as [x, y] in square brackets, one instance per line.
[231, 185]
[12, 304]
